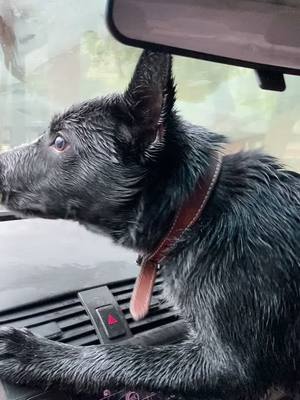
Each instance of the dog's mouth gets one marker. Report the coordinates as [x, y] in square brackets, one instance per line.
[12, 201]
[22, 205]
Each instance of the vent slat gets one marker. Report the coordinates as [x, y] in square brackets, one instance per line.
[125, 297]
[75, 333]
[154, 310]
[155, 302]
[72, 323]
[128, 287]
[158, 323]
[47, 317]
[37, 310]
[150, 319]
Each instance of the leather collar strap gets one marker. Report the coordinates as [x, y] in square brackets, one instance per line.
[187, 215]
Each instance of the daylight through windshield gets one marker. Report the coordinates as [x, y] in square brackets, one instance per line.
[56, 53]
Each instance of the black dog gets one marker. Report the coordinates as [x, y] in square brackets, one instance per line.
[123, 165]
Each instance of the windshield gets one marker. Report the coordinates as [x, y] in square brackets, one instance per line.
[59, 52]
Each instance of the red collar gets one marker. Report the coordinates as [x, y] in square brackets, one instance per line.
[188, 214]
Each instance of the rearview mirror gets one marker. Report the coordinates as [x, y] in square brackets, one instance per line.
[259, 34]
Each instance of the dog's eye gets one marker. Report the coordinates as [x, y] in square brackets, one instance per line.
[60, 143]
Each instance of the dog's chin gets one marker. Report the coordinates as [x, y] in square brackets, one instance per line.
[27, 212]
[20, 210]
[35, 212]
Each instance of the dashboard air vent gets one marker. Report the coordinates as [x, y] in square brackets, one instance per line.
[62, 320]
[161, 313]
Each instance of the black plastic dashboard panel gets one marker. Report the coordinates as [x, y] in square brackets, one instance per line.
[41, 260]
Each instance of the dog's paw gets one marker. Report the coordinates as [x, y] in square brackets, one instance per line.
[22, 354]
[15, 342]
[17, 349]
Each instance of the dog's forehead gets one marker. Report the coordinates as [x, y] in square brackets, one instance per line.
[85, 116]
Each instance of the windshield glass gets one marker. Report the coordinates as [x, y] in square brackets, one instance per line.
[59, 52]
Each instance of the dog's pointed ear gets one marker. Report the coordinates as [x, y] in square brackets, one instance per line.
[151, 93]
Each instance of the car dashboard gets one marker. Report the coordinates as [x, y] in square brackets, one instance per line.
[70, 285]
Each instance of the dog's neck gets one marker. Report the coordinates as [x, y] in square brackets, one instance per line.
[185, 161]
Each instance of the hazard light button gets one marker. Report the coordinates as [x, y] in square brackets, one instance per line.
[112, 323]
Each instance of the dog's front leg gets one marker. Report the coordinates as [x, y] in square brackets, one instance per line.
[186, 368]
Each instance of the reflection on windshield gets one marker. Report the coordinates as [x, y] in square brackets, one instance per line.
[59, 52]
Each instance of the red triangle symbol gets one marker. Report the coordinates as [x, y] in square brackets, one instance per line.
[112, 320]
